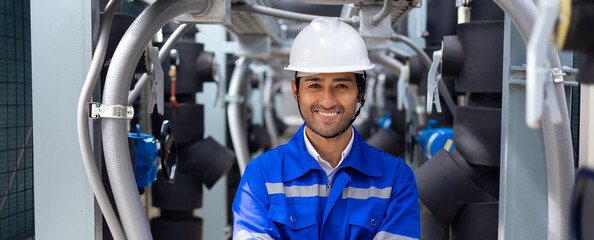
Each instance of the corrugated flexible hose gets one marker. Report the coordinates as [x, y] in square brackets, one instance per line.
[117, 84]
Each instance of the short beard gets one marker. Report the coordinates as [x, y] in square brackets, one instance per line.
[327, 136]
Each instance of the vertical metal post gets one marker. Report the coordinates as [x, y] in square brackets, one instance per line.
[64, 202]
[586, 154]
[523, 181]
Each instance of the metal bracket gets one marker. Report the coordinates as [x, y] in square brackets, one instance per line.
[432, 87]
[565, 76]
[237, 99]
[156, 77]
[110, 111]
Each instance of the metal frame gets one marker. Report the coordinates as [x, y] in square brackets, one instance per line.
[64, 202]
[523, 180]
[586, 154]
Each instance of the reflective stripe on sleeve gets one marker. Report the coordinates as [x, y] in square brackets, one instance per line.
[244, 235]
[365, 193]
[296, 191]
[383, 235]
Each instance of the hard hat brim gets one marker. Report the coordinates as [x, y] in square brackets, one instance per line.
[330, 69]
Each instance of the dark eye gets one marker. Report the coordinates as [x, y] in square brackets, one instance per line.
[315, 85]
[342, 86]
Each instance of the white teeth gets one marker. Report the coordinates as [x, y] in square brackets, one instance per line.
[327, 114]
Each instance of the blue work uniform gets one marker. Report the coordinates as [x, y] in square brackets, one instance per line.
[285, 194]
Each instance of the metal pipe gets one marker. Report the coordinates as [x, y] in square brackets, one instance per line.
[383, 13]
[163, 52]
[299, 17]
[119, 76]
[234, 116]
[82, 122]
[269, 117]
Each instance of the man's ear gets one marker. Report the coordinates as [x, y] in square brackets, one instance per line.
[295, 90]
[360, 97]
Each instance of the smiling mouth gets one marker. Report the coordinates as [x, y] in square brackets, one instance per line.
[328, 114]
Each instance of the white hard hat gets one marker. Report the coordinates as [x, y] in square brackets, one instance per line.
[328, 45]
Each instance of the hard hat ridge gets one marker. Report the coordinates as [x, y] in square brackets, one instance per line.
[330, 24]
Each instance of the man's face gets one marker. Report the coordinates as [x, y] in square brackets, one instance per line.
[327, 101]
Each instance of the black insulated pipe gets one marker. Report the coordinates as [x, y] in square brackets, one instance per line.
[205, 67]
[176, 196]
[477, 135]
[461, 188]
[582, 206]
[476, 221]
[388, 140]
[482, 44]
[445, 188]
[187, 121]
[485, 177]
[485, 10]
[452, 58]
[185, 229]
[120, 24]
[206, 160]
[431, 228]
[441, 21]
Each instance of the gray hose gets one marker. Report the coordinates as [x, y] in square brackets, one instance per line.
[443, 89]
[420, 53]
[299, 17]
[163, 52]
[383, 13]
[238, 133]
[82, 122]
[389, 63]
[119, 76]
[268, 102]
[401, 53]
[557, 137]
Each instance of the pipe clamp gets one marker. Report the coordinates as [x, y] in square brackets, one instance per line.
[99, 110]
[235, 99]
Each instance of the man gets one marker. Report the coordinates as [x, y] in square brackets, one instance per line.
[327, 183]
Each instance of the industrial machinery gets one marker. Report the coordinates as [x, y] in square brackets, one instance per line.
[450, 95]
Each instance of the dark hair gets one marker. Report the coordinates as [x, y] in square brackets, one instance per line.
[360, 78]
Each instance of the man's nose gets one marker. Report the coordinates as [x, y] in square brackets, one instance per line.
[328, 98]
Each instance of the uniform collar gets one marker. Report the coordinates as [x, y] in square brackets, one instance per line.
[323, 163]
[297, 161]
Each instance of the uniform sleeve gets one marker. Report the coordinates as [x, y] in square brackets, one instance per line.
[250, 208]
[402, 220]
